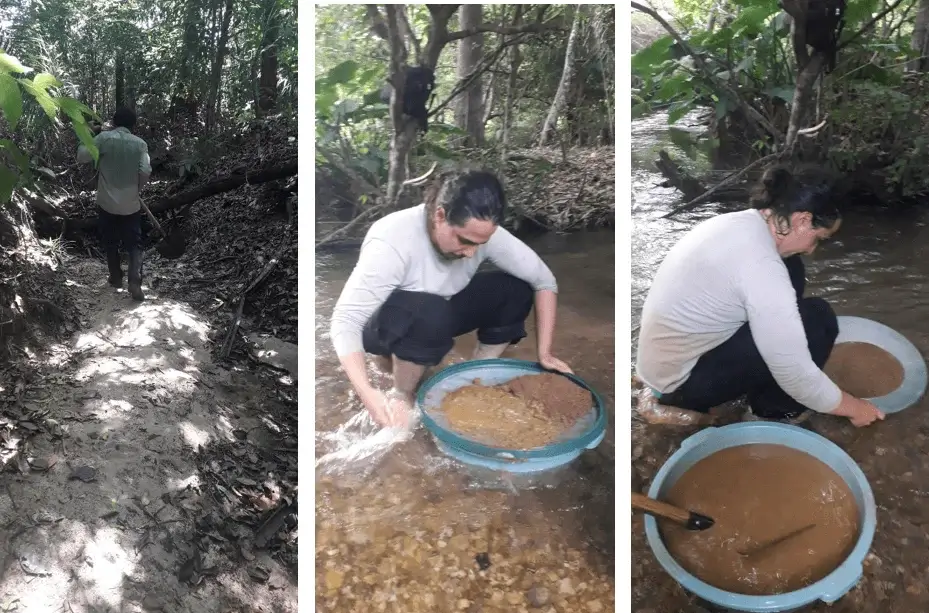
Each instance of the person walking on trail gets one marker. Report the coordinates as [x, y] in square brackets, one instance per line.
[416, 287]
[123, 168]
[726, 315]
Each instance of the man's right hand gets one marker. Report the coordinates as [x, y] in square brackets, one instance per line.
[860, 412]
[387, 409]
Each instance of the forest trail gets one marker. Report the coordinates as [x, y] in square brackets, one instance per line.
[141, 485]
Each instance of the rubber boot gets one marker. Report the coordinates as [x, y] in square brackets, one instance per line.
[116, 270]
[135, 275]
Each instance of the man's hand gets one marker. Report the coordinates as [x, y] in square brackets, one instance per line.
[552, 363]
[388, 409]
[860, 412]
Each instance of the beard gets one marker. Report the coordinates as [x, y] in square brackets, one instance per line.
[430, 231]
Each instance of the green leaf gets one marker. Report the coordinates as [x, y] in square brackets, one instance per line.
[18, 156]
[11, 65]
[679, 109]
[673, 87]
[8, 181]
[856, 12]
[646, 59]
[70, 105]
[746, 65]
[343, 109]
[446, 129]
[753, 18]
[877, 74]
[641, 109]
[372, 98]
[439, 151]
[781, 23]
[784, 92]
[86, 138]
[11, 100]
[683, 139]
[723, 107]
[343, 73]
[46, 80]
[41, 96]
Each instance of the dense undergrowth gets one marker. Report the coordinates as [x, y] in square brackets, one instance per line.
[870, 112]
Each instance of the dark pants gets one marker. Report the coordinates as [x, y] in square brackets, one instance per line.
[735, 368]
[125, 230]
[421, 328]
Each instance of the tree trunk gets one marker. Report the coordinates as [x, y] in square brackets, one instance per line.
[217, 74]
[470, 115]
[92, 94]
[920, 42]
[120, 77]
[404, 130]
[488, 103]
[515, 60]
[561, 95]
[191, 38]
[267, 86]
[606, 14]
[804, 88]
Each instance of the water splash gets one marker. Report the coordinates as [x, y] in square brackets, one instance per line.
[359, 445]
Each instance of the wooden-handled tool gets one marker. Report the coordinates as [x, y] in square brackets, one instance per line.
[688, 519]
[764, 546]
[171, 246]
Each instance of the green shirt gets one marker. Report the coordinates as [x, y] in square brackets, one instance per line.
[123, 157]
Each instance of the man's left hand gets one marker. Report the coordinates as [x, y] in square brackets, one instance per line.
[552, 363]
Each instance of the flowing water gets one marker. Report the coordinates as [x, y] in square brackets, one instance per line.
[873, 268]
[398, 525]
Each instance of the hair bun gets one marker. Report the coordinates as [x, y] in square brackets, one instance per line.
[776, 180]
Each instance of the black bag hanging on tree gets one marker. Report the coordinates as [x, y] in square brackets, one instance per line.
[417, 92]
[824, 23]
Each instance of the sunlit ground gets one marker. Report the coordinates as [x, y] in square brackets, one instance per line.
[135, 401]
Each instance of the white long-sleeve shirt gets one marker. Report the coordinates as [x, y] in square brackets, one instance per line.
[722, 274]
[396, 254]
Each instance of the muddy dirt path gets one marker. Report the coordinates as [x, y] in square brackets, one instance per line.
[140, 487]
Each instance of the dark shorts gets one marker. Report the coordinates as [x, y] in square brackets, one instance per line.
[736, 369]
[421, 328]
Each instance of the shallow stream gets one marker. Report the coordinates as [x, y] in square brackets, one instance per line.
[398, 525]
[875, 268]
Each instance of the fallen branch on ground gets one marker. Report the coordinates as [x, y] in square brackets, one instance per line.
[690, 187]
[218, 186]
[237, 321]
[344, 229]
[728, 180]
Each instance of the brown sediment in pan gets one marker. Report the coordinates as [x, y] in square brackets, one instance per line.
[524, 413]
[864, 370]
[756, 493]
